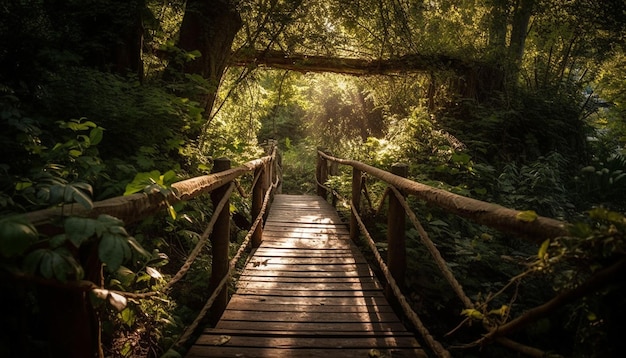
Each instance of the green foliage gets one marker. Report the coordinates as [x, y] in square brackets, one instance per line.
[299, 169]
[567, 262]
[540, 186]
[17, 236]
[604, 182]
[148, 181]
[57, 263]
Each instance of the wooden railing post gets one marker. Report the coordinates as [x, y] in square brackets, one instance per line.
[220, 242]
[278, 167]
[396, 237]
[333, 170]
[356, 200]
[321, 174]
[258, 195]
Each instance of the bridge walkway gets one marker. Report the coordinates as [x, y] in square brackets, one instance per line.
[307, 291]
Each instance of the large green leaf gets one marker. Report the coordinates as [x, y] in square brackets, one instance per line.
[113, 250]
[95, 136]
[16, 236]
[141, 181]
[79, 229]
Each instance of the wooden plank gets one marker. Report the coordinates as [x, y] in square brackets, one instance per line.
[271, 307]
[213, 352]
[308, 286]
[320, 317]
[314, 326]
[306, 279]
[259, 266]
[272, 292]
[270, 272]
[309, 342]
[303, 243]
[265, 261]
[303, 333]
[278, 252]
[304, 224]
[311, 301]
[269, 229]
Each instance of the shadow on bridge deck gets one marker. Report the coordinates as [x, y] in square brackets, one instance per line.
[307, 292]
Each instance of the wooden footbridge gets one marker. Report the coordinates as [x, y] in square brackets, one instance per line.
[307, 292]
[305, 289]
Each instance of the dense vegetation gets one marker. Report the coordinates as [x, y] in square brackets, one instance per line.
[520, 103]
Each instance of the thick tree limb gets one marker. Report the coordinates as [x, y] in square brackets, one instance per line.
[597, 281]
[349, 66]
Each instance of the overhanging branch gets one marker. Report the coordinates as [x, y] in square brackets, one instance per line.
[349, 66]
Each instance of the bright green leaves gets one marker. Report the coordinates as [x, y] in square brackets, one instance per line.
[77, 146]
[55, 263]
[148, 180]
[472, 313]
[16, 236]
[543, 249]
[527, 216]
[477, 315]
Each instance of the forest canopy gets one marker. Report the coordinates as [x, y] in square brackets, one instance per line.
[521, 103]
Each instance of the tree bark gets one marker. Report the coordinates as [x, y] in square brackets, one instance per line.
[349, 66]
[209, 26]
[519, 30]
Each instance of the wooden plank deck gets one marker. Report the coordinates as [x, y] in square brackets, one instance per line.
[307, 292]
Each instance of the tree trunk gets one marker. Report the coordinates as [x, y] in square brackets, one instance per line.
[209, 26]
[498, 27]
[519, 30]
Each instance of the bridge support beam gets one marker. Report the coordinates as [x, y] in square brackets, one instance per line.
[220, 242]
[396, 237]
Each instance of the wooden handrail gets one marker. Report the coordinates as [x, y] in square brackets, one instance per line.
[481, 212]
[135, 207]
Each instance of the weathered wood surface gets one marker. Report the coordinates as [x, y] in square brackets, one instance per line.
[307, 292]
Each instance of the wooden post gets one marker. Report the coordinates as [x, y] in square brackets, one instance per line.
[356, 199]
[220, 242]
[333, 170]
[396, 219]
[321, 174]
[258, 195]
[278, 167]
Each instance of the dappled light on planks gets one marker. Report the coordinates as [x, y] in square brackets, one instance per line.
[307, 292]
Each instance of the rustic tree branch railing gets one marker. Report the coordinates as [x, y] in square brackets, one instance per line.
[130, 209]
[480, 212]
